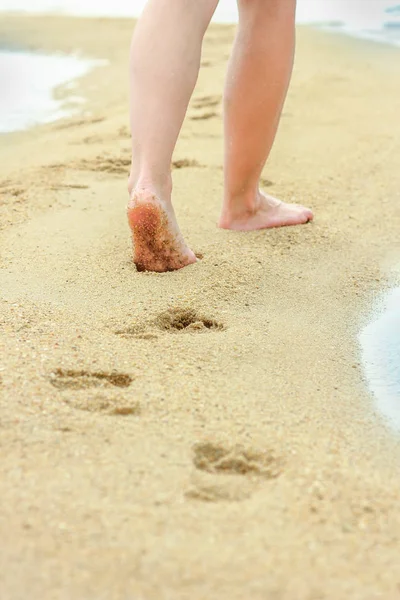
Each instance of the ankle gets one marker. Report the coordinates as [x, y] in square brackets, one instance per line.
[160, 187]
[243, 204]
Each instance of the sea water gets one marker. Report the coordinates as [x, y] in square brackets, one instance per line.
[27, 80]
[380, 346]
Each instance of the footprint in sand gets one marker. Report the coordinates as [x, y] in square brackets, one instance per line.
[230, 473]
[8, 188]
[68, 379]
[186, 163]
[206, 101]
[68, 186]
[105, 164]
[205, 116]
[107, 403]
[79, 123]
[186, 320]
[77, 389]
[119, 165]
[175, 320]
[89, 139]
[124, 132]
[266, 182]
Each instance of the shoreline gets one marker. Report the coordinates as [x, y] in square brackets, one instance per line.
[375, 37]
[113, 487]
[384, 35]
[74, 110]
[335, 28]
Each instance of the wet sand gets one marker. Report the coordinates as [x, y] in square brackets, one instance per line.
[205, 433]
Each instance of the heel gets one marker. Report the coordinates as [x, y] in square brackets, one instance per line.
[144, 218]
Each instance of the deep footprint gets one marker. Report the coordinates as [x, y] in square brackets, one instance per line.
[175, 320]
[186, 319]
[237, 460]
[65, 379]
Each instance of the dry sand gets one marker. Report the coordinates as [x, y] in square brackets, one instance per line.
[204, 434]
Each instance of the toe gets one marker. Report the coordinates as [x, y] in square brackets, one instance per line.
[308, 215]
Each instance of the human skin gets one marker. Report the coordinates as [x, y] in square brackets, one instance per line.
[164, 70]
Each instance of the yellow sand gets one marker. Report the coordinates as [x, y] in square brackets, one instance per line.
[239, 457]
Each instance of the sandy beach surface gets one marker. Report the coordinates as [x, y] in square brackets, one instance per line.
[204, 434]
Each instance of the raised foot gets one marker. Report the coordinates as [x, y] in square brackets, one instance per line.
[158, 244]
[269, 212]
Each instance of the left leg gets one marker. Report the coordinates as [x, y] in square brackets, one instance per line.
[165, 60]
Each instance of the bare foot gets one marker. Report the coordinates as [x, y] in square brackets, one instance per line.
[268, 212]
[158, 244]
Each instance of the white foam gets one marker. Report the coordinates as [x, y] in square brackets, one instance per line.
[27, 82]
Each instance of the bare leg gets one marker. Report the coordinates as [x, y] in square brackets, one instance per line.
[257, 82]
[165, 60]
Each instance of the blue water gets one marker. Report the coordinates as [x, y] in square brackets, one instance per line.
[380, 345]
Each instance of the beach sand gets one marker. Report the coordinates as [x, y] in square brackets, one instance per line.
[204, 434]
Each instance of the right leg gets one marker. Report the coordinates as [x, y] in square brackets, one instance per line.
[165, 60]
[257, 82]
